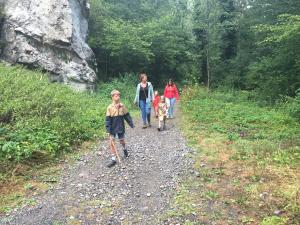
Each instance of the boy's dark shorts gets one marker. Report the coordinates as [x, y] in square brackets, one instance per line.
[120, 136]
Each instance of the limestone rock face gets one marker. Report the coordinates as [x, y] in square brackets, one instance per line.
[52, 35]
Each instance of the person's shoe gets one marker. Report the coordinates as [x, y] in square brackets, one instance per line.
[112, 163]
[125, 153]
[144, 126]
[149, 124]
[158, 129]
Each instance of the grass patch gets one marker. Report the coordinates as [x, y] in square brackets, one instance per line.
[247, 155]
[182, 207]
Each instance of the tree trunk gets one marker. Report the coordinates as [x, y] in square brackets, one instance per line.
[207, 47]
[208, 69]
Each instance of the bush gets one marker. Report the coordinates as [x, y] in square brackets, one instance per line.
[126, 84]
[293, 106]
[258, 131]
[39, 117]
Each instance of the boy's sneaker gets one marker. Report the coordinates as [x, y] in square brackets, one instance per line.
[125, 153]
[112, 163]
[144, 126]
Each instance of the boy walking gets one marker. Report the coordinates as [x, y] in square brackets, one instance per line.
[115, 126]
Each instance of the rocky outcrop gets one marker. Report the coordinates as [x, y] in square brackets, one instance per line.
[50, 34]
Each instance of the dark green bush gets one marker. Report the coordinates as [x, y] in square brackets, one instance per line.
[36, 116]
[126, 84]
[294, 107]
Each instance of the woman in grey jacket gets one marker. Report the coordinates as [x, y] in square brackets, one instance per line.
[143, 98]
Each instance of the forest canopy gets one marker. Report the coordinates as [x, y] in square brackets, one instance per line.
[241, 44]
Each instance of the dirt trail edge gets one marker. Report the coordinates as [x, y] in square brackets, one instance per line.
[136, 192]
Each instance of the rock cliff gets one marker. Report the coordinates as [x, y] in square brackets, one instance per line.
[51, 35]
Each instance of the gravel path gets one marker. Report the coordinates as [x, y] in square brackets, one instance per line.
[136, 192]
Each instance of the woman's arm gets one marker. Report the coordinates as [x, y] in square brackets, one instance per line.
[137, 94]
[176, 93]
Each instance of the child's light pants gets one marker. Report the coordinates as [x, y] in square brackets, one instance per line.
[161, 121]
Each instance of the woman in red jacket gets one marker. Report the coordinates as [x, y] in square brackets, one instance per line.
[171, 94]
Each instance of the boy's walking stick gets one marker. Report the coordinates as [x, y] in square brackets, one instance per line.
[114, 148]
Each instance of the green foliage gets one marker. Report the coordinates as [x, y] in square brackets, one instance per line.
[38, 117]
[142, 36]
[294, 106]
[215, 28]
[290, 105]
[126, 84]
[124, 39]
[274, 220]
[280, 67]
[250, 45]
[183, 203]
[286, 29]
[211, 195]
[238, 139]
[258, 131]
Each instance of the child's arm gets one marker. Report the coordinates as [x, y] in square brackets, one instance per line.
[108, 121]
[128, 118]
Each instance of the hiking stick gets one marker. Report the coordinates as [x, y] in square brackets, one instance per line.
[114, 148]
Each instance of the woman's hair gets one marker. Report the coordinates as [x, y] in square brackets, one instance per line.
[142, 75]
[171, 81]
